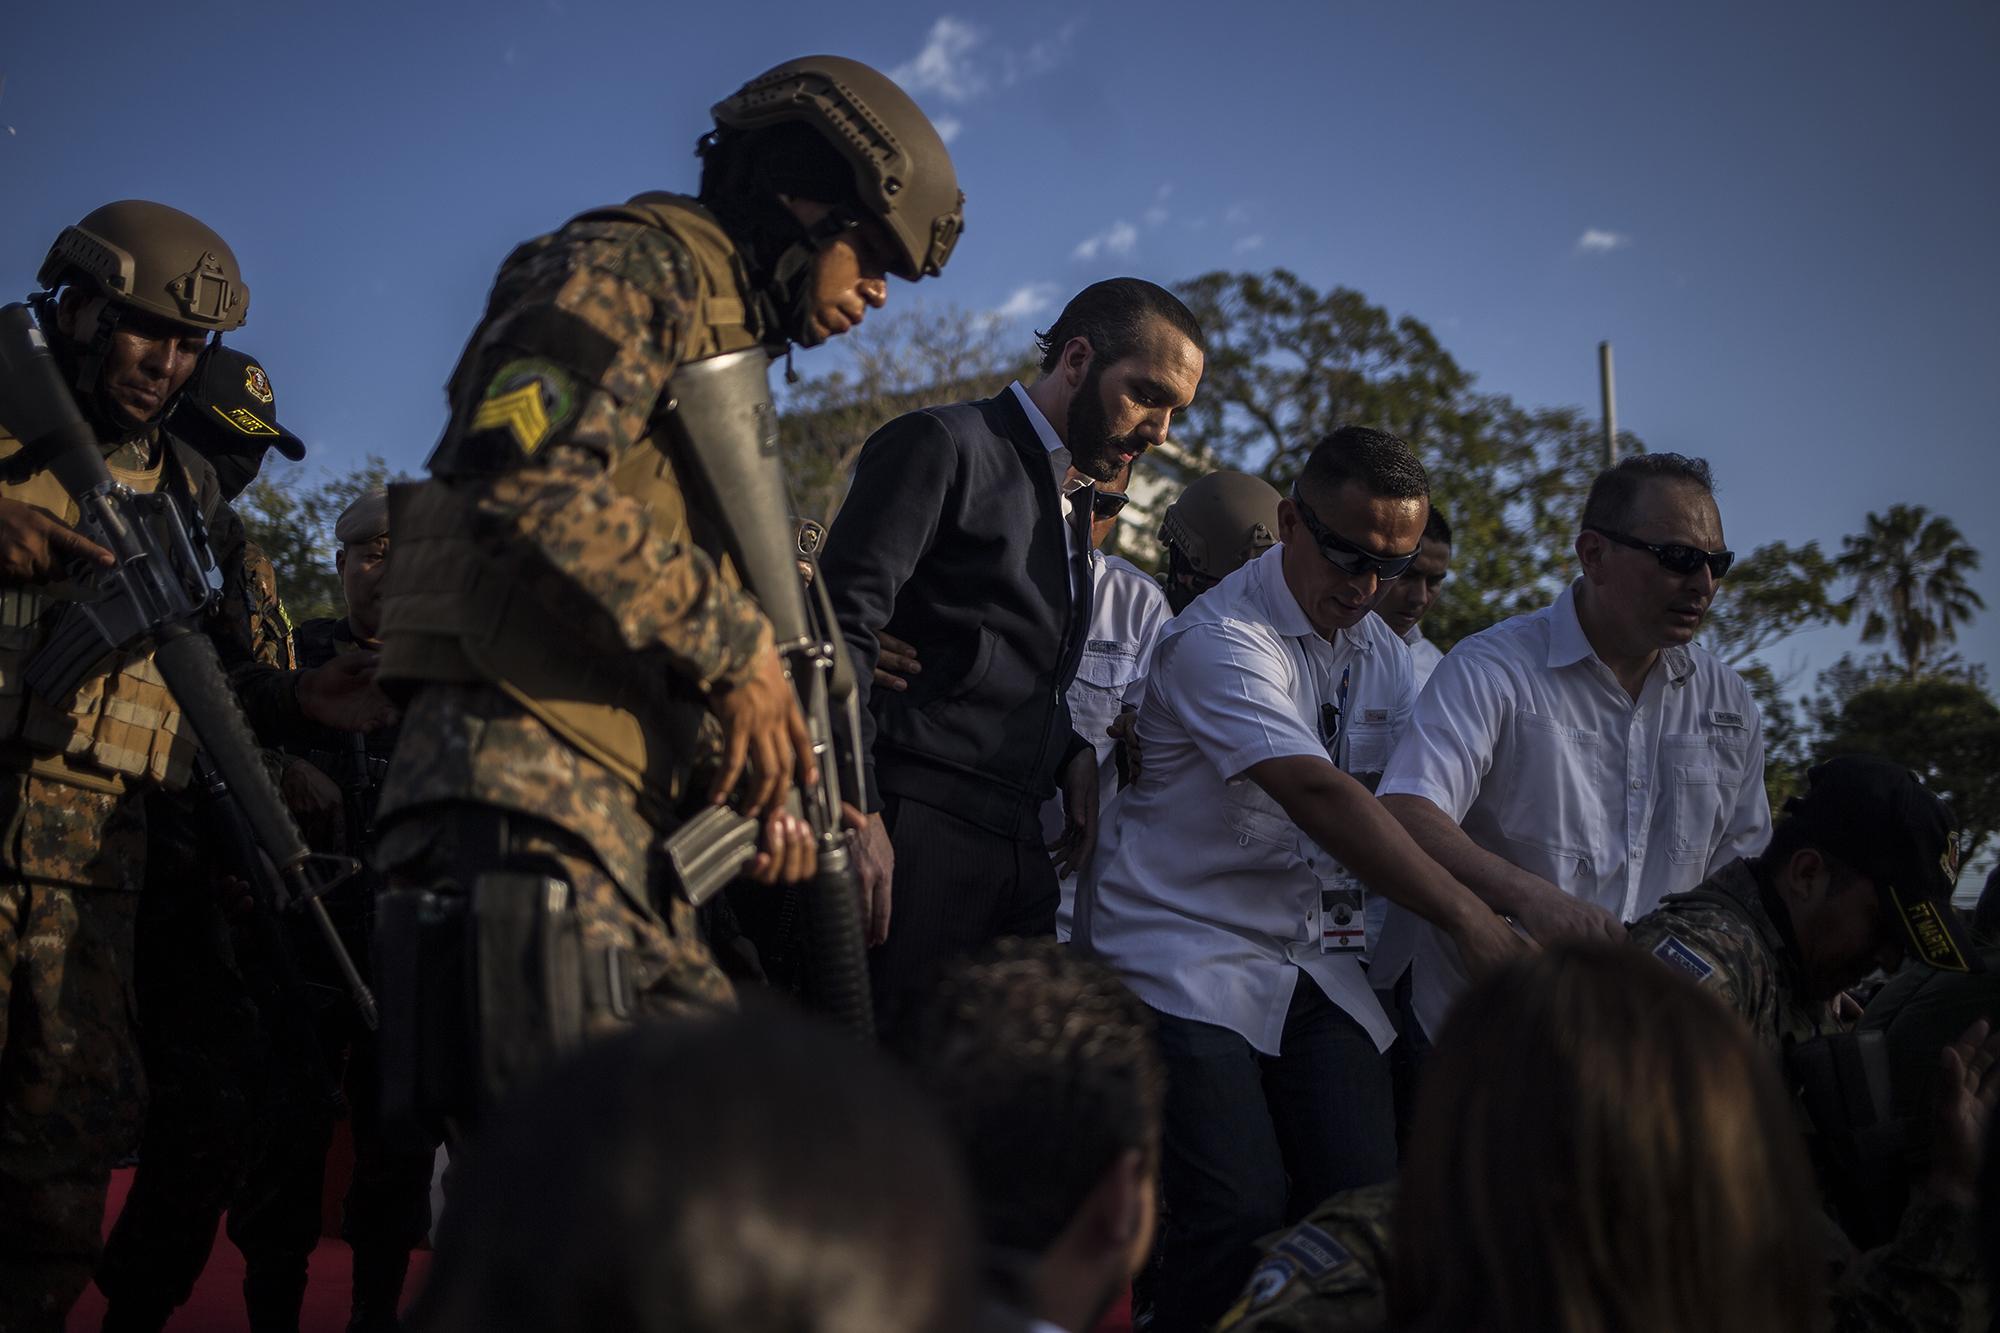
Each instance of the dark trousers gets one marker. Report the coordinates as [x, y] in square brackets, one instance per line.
[1253, 1142]
[957, 886]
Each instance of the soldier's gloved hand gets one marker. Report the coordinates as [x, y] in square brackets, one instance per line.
[343, 695]
[762, 726]
[896, 661]
[1968, 1088]
[874, 866]
[315, 801]
[788, 853]
[34, 544]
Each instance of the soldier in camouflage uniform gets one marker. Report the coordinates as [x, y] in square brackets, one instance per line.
[131, 296]
[557, 612]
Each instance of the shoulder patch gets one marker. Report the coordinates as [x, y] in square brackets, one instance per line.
[1313, 1250]
[1673, 952]
[528, 398]
[1267, 1282]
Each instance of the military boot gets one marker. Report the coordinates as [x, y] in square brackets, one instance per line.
[378, 1289]
[273, 1295]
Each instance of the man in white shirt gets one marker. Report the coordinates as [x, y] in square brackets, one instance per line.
[1576, 765]
[1238, 867]
[1127, 610]
[1405, 600]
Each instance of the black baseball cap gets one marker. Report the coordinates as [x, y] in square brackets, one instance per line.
[229, 407]
[1879, 818]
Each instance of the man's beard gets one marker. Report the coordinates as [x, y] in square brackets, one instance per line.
[1093, 450]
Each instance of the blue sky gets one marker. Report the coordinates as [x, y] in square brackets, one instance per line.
[1782, 215]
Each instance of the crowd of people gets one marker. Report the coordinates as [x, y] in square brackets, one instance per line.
[1227, 942]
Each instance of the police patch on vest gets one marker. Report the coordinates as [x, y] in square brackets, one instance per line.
[244, 420]
[1670, 950]
[530, 399]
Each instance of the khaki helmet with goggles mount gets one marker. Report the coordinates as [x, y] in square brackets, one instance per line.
[152, 258]
[1222, 521]
[902, 171]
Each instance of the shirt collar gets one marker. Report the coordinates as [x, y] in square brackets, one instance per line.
[1568, 644]
[1282, 610]
[1415, 636]
[1058, 451]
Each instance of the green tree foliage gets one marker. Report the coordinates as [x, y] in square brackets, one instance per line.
[1910, 570]
[1771, 594]
[917, 358]
[1947, 729]
[1288, 363]
[292, 519]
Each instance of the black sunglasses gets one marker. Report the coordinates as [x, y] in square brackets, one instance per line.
[1107, 504]
[1675, 558]
[1344, 555]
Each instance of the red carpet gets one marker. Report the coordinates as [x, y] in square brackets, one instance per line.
[217, 1304]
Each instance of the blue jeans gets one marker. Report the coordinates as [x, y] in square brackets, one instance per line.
[1254, 1142]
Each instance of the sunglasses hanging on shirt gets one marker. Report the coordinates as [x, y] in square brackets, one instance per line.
[1107, 504]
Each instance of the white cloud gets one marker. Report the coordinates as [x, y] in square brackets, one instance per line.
[1117, 239]
[1025, 302]
[1156, 216]
[1595, 241]
[1246, 244]
[948, 127]
[1239, 215]
[944, 65]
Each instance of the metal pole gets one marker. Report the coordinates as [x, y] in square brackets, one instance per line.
[1610, 404]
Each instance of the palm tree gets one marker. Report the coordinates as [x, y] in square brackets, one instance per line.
[1909, 569]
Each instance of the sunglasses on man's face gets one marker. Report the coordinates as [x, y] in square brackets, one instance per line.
[1351, 560]
[1674, 557]
[1107, 504]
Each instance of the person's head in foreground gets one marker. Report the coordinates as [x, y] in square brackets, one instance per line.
[1044, 1066]
[1598, 1146]
[757, 1173]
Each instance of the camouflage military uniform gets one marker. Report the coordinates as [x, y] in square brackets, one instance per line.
[270, 626]
[72, 858]
[1325, 1275]
[549, 481]
[1725, 936]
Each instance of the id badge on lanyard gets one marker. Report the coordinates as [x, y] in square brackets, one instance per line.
[1342, 899]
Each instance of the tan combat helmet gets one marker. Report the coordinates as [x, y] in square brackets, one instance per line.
[152, 258]
[1221, 521]
[902, 171]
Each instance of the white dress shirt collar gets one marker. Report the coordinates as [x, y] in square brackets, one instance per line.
[1568, 644]
[1058, 451]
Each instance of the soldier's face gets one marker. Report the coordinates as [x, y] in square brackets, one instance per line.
[849, 275]
[148, 362]
[361, 566]
[1842, 930]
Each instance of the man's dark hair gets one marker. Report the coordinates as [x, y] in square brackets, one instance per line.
[1380, 463]
[1045, 1067]
[715, 1175]
[1112, 317]
[1435, 528]
[1615, 494]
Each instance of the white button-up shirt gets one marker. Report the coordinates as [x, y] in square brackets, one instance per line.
[1206, 896]
[1424, 655]
[1059, 460]
[1527, 741]
[1127, 610]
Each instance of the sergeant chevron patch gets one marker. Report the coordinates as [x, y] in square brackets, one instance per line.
[528, 399]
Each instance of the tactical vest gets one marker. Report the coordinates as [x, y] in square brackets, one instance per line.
[453, 613]
[122, 722]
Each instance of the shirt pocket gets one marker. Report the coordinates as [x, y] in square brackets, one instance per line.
[1552, 800]
[1108, 665]
[1706, 772]
[1256, 819]
[1367, 748]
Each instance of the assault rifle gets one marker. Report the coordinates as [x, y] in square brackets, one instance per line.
[724, 429]
[163, 579]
